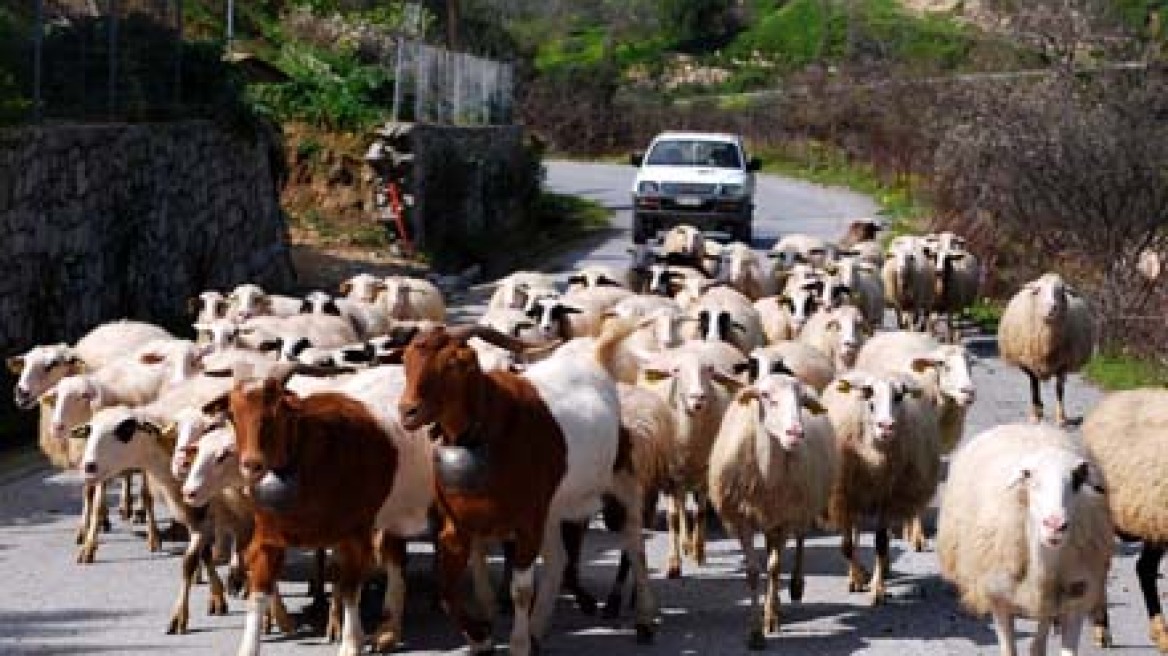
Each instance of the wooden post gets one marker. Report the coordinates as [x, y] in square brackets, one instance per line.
[38, 38]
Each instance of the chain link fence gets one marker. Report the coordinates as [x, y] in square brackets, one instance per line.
[438, 86]
[102, 59]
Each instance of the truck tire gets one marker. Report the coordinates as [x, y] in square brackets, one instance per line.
[744, 233]
[641, 230]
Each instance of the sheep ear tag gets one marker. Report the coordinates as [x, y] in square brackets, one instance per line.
[654, 376]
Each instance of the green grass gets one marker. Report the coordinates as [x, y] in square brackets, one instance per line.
[826, 165]
[1121, 371]
[800, 31]
[987, 314]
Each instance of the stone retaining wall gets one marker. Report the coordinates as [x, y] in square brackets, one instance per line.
[102, 222]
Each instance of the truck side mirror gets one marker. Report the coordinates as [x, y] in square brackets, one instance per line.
[636, 158]
[755, 164]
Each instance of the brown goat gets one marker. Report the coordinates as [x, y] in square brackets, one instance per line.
[321, 466]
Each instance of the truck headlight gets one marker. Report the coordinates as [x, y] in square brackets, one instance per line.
[648, 188]
[734, 190]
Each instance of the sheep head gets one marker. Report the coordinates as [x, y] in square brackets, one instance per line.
[1050, 484]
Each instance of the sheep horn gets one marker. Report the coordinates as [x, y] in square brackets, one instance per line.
[492, 336]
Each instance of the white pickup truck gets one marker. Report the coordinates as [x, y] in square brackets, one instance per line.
[700, 178]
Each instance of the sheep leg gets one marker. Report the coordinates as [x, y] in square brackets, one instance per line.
[88, 550]
[453, 557]
[354, 559]
[392, 554]
[217, 604]
[505, 581]
[572, 533]
[88, 513]
[1102, 624]
[1035, 397]
[627, 491]
[612, 603]
[857, 575]
[141, 514]
[756, 638]
[676, 515]
[264, 562]
[1060, 410]
[1041, 633]
[146, 498]
[797, 571]
[126, 503]
[1004, 627]
[1147, 570]
[481, 581]
[698, 550]
[880, 569]
[531, 619]
[914, 533]
[775, 541]
[180, 616]
[1072, 625]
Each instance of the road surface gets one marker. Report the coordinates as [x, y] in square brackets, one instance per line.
[121, 604]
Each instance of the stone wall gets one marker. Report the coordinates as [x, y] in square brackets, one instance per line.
[472, 187]
[102, 222]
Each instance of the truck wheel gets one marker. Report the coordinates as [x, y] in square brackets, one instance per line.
[744, 233]
[641, 230]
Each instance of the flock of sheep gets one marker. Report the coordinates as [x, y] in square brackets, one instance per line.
[763, 388]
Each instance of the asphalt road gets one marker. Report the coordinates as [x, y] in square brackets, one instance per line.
[121, 604]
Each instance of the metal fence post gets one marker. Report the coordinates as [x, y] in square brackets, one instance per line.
[113, 57]
[178, 52]
[38, 38]
[397, 80]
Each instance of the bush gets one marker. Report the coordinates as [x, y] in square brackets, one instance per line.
[1076, 169]
[329, 91]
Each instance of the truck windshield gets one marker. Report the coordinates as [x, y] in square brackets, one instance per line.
[718, 154]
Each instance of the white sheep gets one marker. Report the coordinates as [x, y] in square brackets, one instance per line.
[784, 316]
[909, 282]
[368, 319]
[805, 362]
[723, 314]
[745, 273]
[796, 249]
[576, 314]
[319, 330]
[669, 279]
[248, 300]
[137, 379]
[363, 287]
[838, 333]
[684, 245]
[942, 371]
[890, 463]
[208, 306]
[695, 380]
[595, 275]
[1024, 529]
[771, 470]
[413, 299]
[958, 281]
[1047, 330]
[862, 282]
[1127, 435]
[518, 289]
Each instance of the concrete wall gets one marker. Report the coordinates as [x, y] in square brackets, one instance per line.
[102, 222]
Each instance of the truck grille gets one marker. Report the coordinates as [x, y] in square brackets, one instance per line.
[693, 188]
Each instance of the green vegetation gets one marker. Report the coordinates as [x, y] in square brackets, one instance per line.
[333, 91]
[823, 164]
[986, 314]
[1121, 371]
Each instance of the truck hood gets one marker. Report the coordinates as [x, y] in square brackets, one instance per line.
[707, 175]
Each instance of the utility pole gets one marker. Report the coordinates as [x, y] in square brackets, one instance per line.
[230, 24]
[453, 19]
